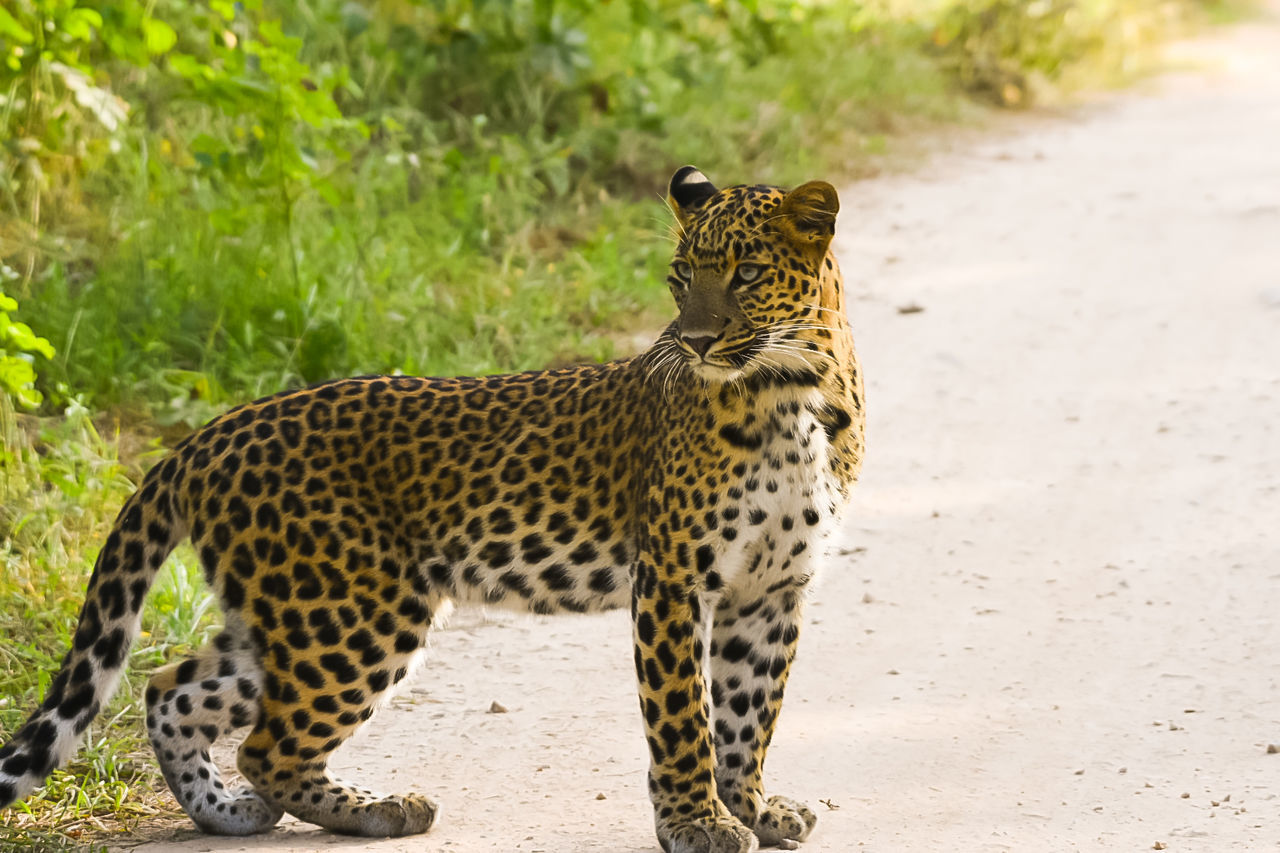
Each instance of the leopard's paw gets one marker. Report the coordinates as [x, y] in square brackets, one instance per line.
[783, 823]
[720, 834]
[395, 816]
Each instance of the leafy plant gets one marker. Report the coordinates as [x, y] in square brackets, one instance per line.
[18, 347]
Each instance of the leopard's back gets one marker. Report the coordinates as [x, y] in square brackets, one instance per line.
[511, 490]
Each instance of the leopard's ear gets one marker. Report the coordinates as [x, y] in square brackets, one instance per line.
[807, 216]
[688, 192]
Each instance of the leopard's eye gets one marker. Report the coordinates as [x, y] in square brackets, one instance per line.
[747, 273]
[682, 270]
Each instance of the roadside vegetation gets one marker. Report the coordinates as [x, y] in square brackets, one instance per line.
[205, 202]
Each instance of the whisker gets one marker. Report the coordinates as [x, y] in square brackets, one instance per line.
[813, 324]
[786, 347]
[667, 204]
[765, 222]
[678, 366]
[802, 353]
[664, 364]
[802, 327]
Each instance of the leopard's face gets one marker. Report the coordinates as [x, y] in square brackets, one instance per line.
[746, 277]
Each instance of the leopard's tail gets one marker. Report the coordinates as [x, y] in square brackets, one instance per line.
[146, 530]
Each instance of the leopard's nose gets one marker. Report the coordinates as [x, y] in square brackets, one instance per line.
[699, 343]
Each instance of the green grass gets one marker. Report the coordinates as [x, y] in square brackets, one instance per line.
[60, 488]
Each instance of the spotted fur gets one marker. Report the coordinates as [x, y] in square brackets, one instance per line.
[336, 524]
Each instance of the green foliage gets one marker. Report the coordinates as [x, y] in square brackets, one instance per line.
[1002, 49]
[39, 31]
[298, 191]
[18, 347]
[59, 491]
[213, 201]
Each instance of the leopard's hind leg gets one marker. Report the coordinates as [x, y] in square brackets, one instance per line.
[192, 703]
[322, 699]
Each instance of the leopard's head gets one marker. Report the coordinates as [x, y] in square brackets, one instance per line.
[752, 278]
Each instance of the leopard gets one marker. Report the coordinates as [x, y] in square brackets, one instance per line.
[337, 525]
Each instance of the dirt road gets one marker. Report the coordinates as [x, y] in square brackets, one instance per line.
[1053, 622]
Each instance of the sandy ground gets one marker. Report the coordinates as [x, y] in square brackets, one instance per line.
[1053, 622]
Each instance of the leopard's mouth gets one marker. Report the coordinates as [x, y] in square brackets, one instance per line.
[724, 365]
[757, 355]
[735, 356]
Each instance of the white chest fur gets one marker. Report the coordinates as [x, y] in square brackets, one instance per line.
[781, 505]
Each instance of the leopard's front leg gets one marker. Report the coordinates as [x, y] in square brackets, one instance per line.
[754, 640]
[669, 645]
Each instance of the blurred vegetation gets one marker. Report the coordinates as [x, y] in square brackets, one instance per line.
[207, 201]
[202, 202]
